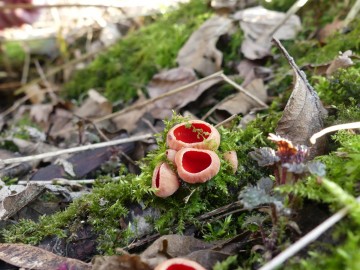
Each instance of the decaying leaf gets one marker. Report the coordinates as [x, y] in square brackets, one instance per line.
[12, 203]
[30, 257]
[170, 80]
[342, 61]
[94, 106]
[207, 258]
[35, 94]
[256, 22]
[41, 112]
[303, 115]
[128, 121]
[123, 262]
[171, 246]
[329, 29]
[241, 103]
[200, 52]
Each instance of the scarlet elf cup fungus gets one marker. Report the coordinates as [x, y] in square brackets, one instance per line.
[179, 264]
[231, 157]
[196, 165]
[165, 180]
[193, 134]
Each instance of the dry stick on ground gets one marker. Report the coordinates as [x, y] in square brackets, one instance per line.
[75, 149]
[170, 93]
[147, 102]
[243, 90]
[209, 112]
[306, 240]
[30, 6]
[226, 120]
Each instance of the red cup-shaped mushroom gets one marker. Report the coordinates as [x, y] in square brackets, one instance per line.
[170, 154]
[179, 264]
[231, 157]
[165, 180]
[193, 134]
[197, 165]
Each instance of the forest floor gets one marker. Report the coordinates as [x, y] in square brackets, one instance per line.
[222, 133]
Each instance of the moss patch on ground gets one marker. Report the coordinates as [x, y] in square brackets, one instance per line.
[130, 64]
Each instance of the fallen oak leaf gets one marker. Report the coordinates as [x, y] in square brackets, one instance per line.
[30, 257]
[303, 114]
[200, 52]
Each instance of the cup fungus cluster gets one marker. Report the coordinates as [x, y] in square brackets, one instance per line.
[191, 147]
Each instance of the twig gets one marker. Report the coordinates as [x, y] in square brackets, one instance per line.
[243, 90]
[58, 181]
[321, 133]
[291, 11]
[152, 100]
[149, 101]
[30, 6]
[226, 120]
[306, 240]
[75, 149]
[352, 13]
[209, 112]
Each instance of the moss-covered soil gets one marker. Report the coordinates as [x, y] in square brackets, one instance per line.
[131, 63]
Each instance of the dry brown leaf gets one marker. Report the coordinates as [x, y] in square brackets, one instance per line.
[30, 257]
[128, 121]
[207, 258]
[200, 52]
[172, 246]
[94, 106]
[241, 103]
[170, 80]
[257, 21]
[12, 203]
[35, 94]
[342, 61]
[329, 29]
[41, 112]
[124, 262]
[303, 115]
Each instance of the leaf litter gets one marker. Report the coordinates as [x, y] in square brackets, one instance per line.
[302, 117]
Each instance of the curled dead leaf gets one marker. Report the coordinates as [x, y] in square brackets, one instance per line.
[304, 113]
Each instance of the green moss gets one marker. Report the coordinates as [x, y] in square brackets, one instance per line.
[131, 63]
[340, 88]
[339, 42]
[110, 199]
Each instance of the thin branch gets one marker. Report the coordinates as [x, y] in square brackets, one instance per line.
[243, 90]
[306, 240]
[332, 129]
[74, 149]
[217, 105]
[148, 101]
[30, 6]
[152, 100]
[227, 120]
